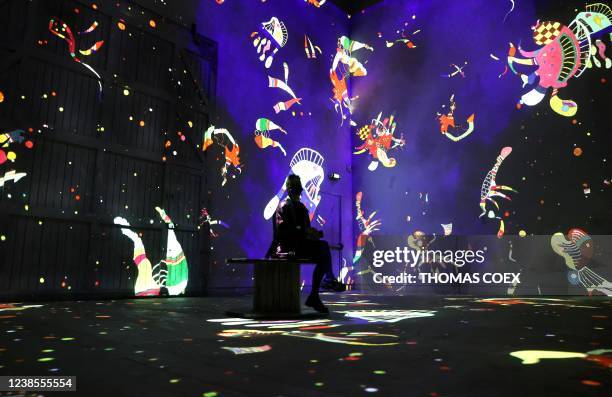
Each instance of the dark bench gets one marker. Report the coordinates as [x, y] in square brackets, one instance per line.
[276, 287]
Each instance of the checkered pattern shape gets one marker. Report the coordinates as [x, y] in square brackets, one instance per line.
[364, 132]
[546, 32]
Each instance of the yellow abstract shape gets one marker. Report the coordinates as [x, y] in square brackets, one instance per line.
[564, 107]
[534, 356]
[558, 242]
[597, 19]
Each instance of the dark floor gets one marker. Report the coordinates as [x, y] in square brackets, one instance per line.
[436, 346]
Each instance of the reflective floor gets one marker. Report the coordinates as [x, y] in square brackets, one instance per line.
[369, 345]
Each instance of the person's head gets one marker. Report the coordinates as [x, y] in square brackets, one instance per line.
[294, 187]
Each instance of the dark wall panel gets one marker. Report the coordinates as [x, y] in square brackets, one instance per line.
[48, 256]
[131, 183]
[90, 156]
[11, 18]
[52, 97]
[61, 176]
[139, 120]
[145, 58]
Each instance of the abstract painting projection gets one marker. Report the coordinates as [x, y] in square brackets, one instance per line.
[456, 70]
[528, 357]
[308, 165]
[232, 165]
[16, 307]
[207, 219]
[490, 190]
[63, 31]
[6, 139]
[343, 66]
[272, 36]
[11, 176]
[283, 85]
[405, 41]
[419, 241]
[171, 273]
[564, 52]
[345, 275]
[388, 316]
[263, 127]
[448, 121]
[274, 324]
[367, 225]
[248, 350]
[311, 49]
[378, 140]
[344, 338]
[576, 248]
[316, 3]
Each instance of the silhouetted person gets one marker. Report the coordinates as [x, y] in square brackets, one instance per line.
[293, 235]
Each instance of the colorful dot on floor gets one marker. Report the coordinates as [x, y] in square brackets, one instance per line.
[380, 372]
[591, 382]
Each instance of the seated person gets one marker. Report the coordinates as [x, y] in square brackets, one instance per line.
[294, 236]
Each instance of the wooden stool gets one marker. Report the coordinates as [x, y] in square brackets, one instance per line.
[276, 288]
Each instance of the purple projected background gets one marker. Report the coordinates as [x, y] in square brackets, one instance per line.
[558, 165]
[243, 96]
[435, 181]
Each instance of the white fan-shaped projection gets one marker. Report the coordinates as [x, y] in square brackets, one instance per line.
[584, 45]
[277, 30]
[596, 18]
[308, 165]
[594, 282]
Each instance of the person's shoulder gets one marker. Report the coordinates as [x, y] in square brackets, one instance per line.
[303, 206]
